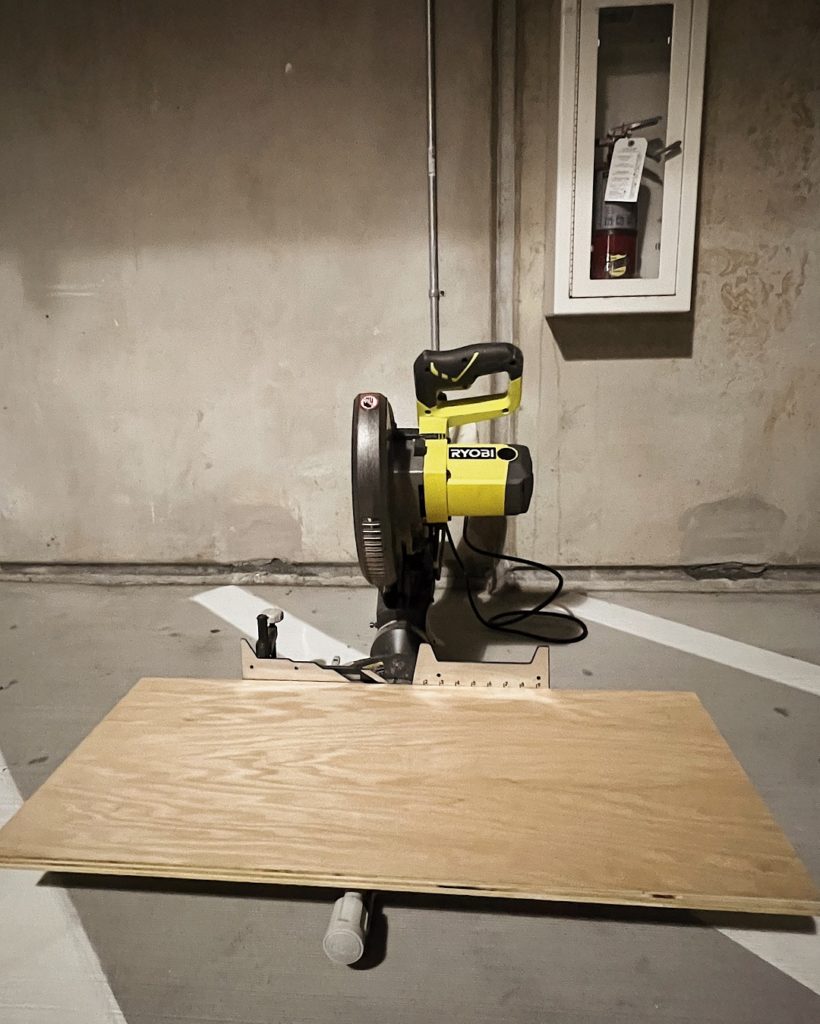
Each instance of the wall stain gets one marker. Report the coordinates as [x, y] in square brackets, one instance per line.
[759, 289]
[782, 137]
[783, 405]
[743, 528]
[569, 416]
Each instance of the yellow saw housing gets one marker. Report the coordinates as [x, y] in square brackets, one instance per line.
[470, 479]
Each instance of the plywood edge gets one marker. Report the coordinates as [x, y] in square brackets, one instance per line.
[790, 906]
[309, 686]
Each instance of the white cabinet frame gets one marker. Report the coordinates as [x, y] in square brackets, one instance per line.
[569, 288]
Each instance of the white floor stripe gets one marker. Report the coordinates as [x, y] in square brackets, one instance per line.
[802, 675]
[297, 639]
[797, 953]
[49, 972]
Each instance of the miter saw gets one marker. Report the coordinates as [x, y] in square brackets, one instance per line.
[409, 482]
[407, 485]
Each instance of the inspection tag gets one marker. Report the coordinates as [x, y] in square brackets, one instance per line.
[625, 171]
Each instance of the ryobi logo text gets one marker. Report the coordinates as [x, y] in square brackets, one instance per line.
[472, 453]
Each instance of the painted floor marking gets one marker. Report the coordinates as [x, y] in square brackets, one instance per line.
[49, 972]
[795, 953]
[757, 661]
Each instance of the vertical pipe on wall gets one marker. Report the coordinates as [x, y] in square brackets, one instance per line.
[432, 196]
[504, 228]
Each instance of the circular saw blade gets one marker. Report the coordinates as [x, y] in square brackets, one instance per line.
[376, 539]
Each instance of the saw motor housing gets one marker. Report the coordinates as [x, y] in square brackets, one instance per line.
[470, 479]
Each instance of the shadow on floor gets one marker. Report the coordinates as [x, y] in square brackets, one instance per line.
[432, 901]
[457, 635]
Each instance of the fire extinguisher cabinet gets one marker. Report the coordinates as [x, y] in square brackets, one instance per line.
[627, 94]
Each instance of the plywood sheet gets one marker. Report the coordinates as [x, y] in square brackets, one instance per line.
[593, 796]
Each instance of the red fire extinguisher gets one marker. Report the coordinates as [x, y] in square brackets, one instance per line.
[614, 225]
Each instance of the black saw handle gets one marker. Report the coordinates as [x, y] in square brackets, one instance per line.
[460, 368]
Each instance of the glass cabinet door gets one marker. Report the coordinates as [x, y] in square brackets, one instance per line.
[631, 120]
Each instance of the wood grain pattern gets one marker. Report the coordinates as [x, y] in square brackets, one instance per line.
[594, 796]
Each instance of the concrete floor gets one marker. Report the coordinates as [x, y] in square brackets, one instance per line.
[195, 953]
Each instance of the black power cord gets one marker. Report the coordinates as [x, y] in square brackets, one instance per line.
[503, 622]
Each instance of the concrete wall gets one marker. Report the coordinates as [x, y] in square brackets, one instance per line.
[212, 235]
[692, 440]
